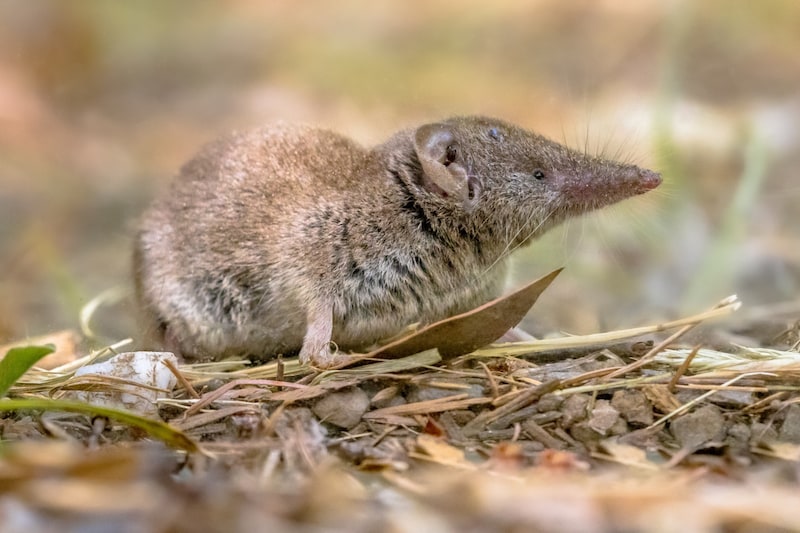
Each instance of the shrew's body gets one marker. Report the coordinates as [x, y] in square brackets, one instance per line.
[284, 239]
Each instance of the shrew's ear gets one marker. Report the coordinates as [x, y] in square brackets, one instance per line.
[443, 164]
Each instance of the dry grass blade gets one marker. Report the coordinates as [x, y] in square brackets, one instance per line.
[202, 419]
[110, 296]
[438, 405]
[18, 361]
[416, 361]
[522, 399]
[743, 360]
[105, 383]
[311, 391]
[240, 368]
[181, 378]
[630, 383]
[727, 306]
[38, 380]
[92, 357]
[212, 396]
[685, 407]
[666, 342]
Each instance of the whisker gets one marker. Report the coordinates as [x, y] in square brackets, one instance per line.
[509, 241]
[508, 251]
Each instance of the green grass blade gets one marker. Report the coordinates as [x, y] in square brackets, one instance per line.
[18, 361]
[155, 428]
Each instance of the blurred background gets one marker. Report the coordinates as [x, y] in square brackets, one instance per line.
[101, 102]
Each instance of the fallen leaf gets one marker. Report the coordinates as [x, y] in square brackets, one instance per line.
[507, 456]
[661, 398]
[433, 428]
[625, 454]
[787, 451]
[560, 460]
[439, 451]
[465, 333]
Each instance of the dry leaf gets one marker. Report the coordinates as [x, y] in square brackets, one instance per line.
[661, 398]
[507, 456]
[787, 451]
[625, 454]
[433, 428]
[439, 451]
[469, 331]
[560, 460]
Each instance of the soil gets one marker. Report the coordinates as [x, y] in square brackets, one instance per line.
[482, 444]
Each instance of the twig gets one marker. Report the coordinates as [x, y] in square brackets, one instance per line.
[215, 395]
[181, 378]
[490, 378]
[683, 368]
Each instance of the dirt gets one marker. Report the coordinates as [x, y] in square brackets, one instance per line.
[104, 104]
[331, 464]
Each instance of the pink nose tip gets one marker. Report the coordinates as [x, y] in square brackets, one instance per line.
[649, 179]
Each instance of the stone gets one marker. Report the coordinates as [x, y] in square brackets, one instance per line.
[634, 407]
[702, 425]
[343, 409]
[574, 409]
[762, 433]
[603, 417]
[790, 429]
[549, 402]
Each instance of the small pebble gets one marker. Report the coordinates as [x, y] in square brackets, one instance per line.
[574, 409]
[762, 433]
[342, 408]
[739, 435]
[634, 407]
[603, 417]
[549, 402]
[790, 429]
[698, 427]
[585, 434]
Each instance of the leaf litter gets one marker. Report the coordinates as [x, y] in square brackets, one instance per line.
[627, 429]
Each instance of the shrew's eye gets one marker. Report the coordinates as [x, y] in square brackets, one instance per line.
[494, 133]
[450, 154]
[538, 174]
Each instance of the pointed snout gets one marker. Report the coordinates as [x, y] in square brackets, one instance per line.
[648, 180]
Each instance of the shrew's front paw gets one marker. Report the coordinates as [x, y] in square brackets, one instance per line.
[317, 353]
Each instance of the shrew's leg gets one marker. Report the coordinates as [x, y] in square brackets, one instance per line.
[316, 348]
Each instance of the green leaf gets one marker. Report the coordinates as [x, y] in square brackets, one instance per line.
[155, 428]
[18, 361]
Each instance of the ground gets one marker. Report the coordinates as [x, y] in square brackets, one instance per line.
[593, 427]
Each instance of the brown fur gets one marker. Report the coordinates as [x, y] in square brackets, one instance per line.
[284, 239]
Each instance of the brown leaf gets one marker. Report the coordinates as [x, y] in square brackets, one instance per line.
[465, 333]
[439, 451]
[661, 398]
[626, 454]
[561, 460]
[507, 456]
[433, 428]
